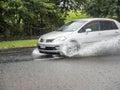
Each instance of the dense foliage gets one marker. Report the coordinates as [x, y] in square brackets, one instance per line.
[103, 8]
[21, 17]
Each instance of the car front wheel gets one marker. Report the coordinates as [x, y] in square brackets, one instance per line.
[71, 48]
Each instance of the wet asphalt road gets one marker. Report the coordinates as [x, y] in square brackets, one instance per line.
[78, 73]
[15, 55]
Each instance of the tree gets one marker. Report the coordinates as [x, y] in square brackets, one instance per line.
[18, 17]
[44, 14]
[67, 5]
[4, 26]
[114, 10]
[103, 8]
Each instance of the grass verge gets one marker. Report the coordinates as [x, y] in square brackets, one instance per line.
[17, 44]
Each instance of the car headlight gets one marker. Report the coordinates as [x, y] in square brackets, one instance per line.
[40, 40]
[60, 39]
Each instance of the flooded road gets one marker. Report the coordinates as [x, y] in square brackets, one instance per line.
[75, 73]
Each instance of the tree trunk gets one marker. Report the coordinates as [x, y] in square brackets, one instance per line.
[6, 34]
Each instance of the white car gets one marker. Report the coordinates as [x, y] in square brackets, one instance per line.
[76, 34]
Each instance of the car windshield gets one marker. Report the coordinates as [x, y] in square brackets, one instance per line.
[71, 26]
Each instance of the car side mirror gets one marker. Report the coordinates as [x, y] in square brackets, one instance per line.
[88, 30]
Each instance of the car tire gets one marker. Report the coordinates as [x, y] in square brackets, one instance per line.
[71, 48]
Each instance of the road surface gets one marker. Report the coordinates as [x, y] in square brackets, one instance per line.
[77, 73]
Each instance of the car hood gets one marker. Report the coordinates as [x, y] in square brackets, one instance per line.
[55, 34]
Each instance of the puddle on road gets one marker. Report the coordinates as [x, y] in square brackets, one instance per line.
[109, 47]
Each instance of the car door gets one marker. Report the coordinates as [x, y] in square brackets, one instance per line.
[92, 36]
[108, 29]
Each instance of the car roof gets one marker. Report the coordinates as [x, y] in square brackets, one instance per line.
[92, 19]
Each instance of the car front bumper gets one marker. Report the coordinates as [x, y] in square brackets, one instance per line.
[49, 49]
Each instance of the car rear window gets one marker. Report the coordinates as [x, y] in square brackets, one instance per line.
[107, 25]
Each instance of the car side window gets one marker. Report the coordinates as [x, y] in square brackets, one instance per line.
[107, 25]
[94, 26]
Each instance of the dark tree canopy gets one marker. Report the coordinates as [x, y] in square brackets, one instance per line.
[20, 16]
[103, 8]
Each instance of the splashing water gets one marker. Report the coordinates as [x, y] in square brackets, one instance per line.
[109, 47]
[70, 48]
[35, 53]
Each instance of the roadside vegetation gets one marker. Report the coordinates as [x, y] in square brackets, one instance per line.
[18, 43]
[72, 15]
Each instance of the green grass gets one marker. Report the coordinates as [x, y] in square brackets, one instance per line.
[18, 43]
[73, 15]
